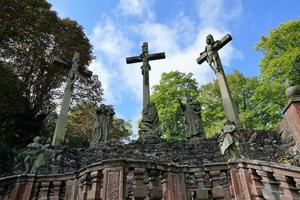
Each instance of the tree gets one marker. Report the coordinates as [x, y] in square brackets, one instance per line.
[242, 89]
[81, 121]
[281, 62]
[30, 36]
[173, 86]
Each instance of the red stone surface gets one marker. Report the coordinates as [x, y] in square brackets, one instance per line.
[290, 124]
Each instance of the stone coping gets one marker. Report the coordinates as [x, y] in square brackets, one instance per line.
[293, 99]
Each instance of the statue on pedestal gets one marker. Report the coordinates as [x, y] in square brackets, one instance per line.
[149, 125]
[103, 124]
[228, 141]
[35, 157]
[192, 118]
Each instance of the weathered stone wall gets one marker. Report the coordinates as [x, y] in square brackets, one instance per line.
[133, 179]
[258, 145]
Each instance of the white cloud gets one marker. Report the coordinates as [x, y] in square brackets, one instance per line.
[163, 38]
[140, 8]
[110, 41]
[217, 13]
[106, 77]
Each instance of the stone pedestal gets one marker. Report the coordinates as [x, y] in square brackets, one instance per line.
[290, 124]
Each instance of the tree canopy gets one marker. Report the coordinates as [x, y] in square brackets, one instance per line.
[242, 89]
[173, 86]
[81, 123]
[280, 63]
[31, 34]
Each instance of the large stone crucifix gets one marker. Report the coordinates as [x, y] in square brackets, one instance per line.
[212, 57]
[75, 71]
[149, 125]
[145, 57]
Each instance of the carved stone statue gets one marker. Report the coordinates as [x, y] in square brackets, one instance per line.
[103, 123]
[149, 125]
[228, 141]
[192, 118]
[35, 157]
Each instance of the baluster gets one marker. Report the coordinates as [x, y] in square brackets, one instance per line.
[191, 185]
[140, 190]
[257, 185]
[155, 192]
[271, 188]
[217, 190]
[85, 184]
[202, 191]
[44, 191]
[288, 185]
[55, 190]
[224, 184]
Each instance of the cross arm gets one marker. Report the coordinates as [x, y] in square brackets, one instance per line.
[85, 72]
[202, 58]
[68, 64]
[154, 56]
[62, 62]
[225, 40]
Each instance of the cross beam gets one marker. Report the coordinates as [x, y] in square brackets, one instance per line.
[145, 57]
[154, 56]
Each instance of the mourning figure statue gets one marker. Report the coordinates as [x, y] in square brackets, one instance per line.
[192, 118]
[35, 157]
[228, 140]
[149, 125]
[103, 124]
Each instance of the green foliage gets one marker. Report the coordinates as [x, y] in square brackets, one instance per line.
[31, 35]
[281, 62]
[242, 89]
[80, 126]
[173, 86]
[121, 129]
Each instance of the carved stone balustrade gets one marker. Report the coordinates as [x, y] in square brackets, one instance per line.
[146, 180]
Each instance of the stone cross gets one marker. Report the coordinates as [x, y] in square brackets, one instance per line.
[212, 57]
[75, 71]
[145, 57]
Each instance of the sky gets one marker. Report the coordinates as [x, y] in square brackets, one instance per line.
[117, 29]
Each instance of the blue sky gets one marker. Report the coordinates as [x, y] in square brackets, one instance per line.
[117, 29]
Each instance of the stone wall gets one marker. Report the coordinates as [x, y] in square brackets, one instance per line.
[139, 180]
